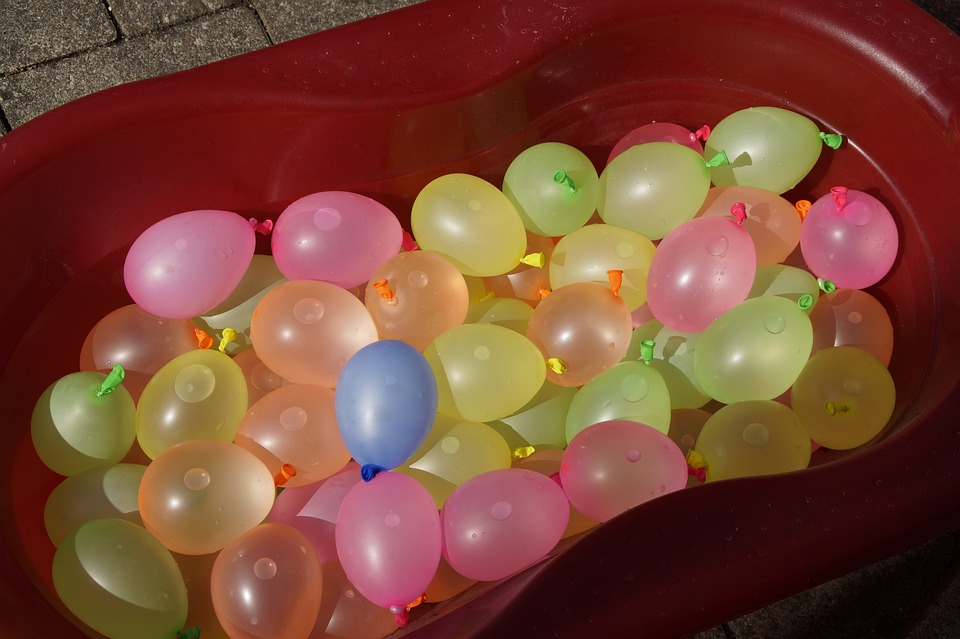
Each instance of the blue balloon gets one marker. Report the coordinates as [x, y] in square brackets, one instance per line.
[386, 402]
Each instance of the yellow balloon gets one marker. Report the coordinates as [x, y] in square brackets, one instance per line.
[587, 254]
[758, 437]
[672, 356]
[501, 311]
[484, 372]
[198, 395]
[471, 223]
[786, 281]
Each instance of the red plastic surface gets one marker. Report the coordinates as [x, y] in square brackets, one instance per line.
[383, 106]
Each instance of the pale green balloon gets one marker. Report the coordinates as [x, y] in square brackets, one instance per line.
[630, 390]
[753, 351]
[672, 357]
[484, 372]
[588, 253]
[653, 188]
[463, 451]
[543, 420]
[74, 427]
[768, 148]
[759, 437]
[554, 188]
[109, 492]
[786, 281]
[201, 394]
[502, 311]
[119, 580]
[471, 223]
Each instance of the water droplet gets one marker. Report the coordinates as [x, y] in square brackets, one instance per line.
[633, 388]
[482, 353]
[688, 440]
[854, 317]
[625, 250]
[853, 386]
[450, 445]
[501, 510]
[182, 244]
[634, 455]
[349, 594]
[391, 520]
[264, 379]
[254, 621]
[474, 205]
[774, 323]
[717, 245]
[308, 310]
[293, 418]
[196, 479]
[418, 279]
[326, 218]
[756, 434]
[194, 383]
[390, 379]
[265, 568]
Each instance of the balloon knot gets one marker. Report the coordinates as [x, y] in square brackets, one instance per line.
[802, 207]
[369, 471]
[739, 211]
[839, 194]
[263, 228]
[696, 466]
[407, 242]
[562, 177]
[287, 472]
[114, 378]
[720, 159]
[832, 408]
[489, 295]
[646, 350]
[189, 633]
[203, 340]
[833, 140]
[534, 259]
[826, 285]
[557, 365]
[702, 133]
[616, 280]
[383, 289]
[542, 292]
[556, 479]
[805, 302]
[523, 452]
[401, 615]
[229, 335]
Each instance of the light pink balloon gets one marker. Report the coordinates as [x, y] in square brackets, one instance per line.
[388, 539]
[335, 236]
[613, 466]
[701, 268]
[186, 264]
[502, 521]
[656, 132]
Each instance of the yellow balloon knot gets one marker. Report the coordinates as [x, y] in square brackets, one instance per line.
[802, 207]
[489, 295]
[832, 408]
[696, 465]
[534, 259]
[557, 365]
[203, 340]
[523, 452]
[616, 280]
[229, 335]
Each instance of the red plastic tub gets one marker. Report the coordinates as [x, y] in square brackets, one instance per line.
[381, 107]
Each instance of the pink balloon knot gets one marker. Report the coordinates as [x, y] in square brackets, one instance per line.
[556, 478]
[839, 194]
[263, 228]
[702, 133]
[739, 211]
[407, 243]
[369, 471]
[401, 615]
[699, 473]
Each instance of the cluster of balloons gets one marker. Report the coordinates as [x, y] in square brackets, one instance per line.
[309, 443]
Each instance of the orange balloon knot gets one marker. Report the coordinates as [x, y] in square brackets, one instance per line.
[543, 292]
[557, 365]
[263, 228]
[616, 280]
[203, 340]
[523, 452]
[537, 260]
[416, 602]
[369, 471]
[802, 207]
[229, 335]
[383, 288]
[287, 472]
[696, 465]
[702, 133]
[401, 615]
[839, 194]
[407, 243]
[739, 211]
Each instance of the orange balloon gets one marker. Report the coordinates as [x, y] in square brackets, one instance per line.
[260, 379]
[305, 330]
[852, 317]
[772, 221]
[347, 614]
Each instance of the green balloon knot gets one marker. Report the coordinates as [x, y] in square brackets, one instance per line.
[189, 633]
[720, 159]
[561, 177]
[646, 350]
[826, 285]
[805, 302]
[114, 378]
[833, 140]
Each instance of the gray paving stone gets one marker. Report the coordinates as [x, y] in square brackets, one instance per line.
[33, 31]
[136, 17]
[289, 19]
[25, 95]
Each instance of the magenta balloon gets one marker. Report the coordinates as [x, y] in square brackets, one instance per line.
[388, 539]
[502, 521]
[334, 236]
[850, 239]
[702, 268]
[613, 466]
[186, 264]
[656, 132]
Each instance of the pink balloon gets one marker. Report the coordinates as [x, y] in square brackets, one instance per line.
[186, 264]
[656, 132]
[850, 238]
[613, 466]
[502, 521]
[388, 539]
[701, 268]
[335, 236]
